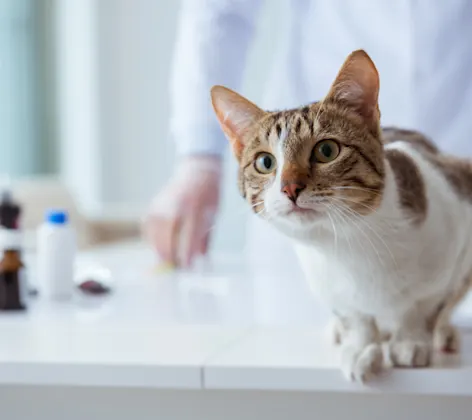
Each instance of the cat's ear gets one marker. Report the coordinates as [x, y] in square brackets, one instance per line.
[236, 115]
[357, 85]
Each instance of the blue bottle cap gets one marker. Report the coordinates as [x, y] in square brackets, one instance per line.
[57, 217]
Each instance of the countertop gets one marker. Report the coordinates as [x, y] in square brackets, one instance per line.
[223, 327]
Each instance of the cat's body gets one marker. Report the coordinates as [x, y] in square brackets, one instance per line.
[385, 266]
[380, 219]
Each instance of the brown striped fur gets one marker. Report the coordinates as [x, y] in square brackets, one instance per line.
[360, 163]
[415, 138]
[457, 171]
[410, 184]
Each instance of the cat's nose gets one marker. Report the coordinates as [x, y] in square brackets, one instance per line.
[293, 189]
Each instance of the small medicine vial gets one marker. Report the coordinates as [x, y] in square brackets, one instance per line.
[12, 271]
[56, 256]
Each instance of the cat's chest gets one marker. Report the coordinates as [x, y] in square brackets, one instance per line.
[349, 280]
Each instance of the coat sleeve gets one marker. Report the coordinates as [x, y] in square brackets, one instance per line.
[213, 38]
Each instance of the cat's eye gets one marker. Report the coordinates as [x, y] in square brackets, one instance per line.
[326, 151]
[265, 163]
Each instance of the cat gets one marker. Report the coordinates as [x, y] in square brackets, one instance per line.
[380, 219]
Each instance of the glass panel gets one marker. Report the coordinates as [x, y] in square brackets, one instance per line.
[25, 97]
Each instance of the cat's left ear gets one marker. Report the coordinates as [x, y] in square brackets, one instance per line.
[236, 115]
[357, 85]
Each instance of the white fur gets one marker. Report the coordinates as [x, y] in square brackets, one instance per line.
[380, 272]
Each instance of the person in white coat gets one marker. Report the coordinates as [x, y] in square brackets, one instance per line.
[422, 48]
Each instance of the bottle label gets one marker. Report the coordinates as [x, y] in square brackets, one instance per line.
[10, 239]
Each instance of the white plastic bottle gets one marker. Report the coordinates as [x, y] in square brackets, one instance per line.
[56, 255]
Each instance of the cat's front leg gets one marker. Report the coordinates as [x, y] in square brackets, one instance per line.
[411, 344]
[361, 351]
[336, 331]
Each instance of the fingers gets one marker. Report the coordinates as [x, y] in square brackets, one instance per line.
[209, 221]
[204, 243]
[195, 234]
[180, 240]
[192, 237]
[181, 216]
[164, 236]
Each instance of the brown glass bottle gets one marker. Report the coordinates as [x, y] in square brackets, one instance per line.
[12, 296]
[10, 211]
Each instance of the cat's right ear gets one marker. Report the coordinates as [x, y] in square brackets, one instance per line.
[236, 115]
[357, 85]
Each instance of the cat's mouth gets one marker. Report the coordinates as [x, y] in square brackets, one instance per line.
[297, 212]
[300, 210]
[304, 211]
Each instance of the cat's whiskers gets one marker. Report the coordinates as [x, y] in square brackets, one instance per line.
[347, 187]
[352, 222]
[372, 227]
[346, 222]
[369, 190]
[372, 222]
[395, 268]
[263, 213]
[356, 222]
[338, 214]
[335, 232]
[256, 204]
[382, 225]
[366, 256]
[376, 211]
[369, 226]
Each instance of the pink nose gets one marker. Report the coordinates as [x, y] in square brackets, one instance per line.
[292, 190]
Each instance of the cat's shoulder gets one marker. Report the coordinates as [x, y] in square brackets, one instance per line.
[456, 170]
[416, 139]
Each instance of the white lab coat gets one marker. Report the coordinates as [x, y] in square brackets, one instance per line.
[422, 49]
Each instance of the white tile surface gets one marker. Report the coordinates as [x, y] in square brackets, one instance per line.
[301, 359]
[152, 331]
[229, 326]
[169, 357]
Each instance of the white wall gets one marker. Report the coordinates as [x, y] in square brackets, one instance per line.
[78, 109]
[135, 41]
[136, 45]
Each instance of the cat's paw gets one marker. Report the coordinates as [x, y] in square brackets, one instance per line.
[410, 353]
[447, 339]
[361, 365]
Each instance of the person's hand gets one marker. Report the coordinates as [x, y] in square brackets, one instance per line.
[182, 215]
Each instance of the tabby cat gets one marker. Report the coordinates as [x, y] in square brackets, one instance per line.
[379, 218]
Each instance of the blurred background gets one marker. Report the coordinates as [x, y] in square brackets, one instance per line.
[84, 114]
